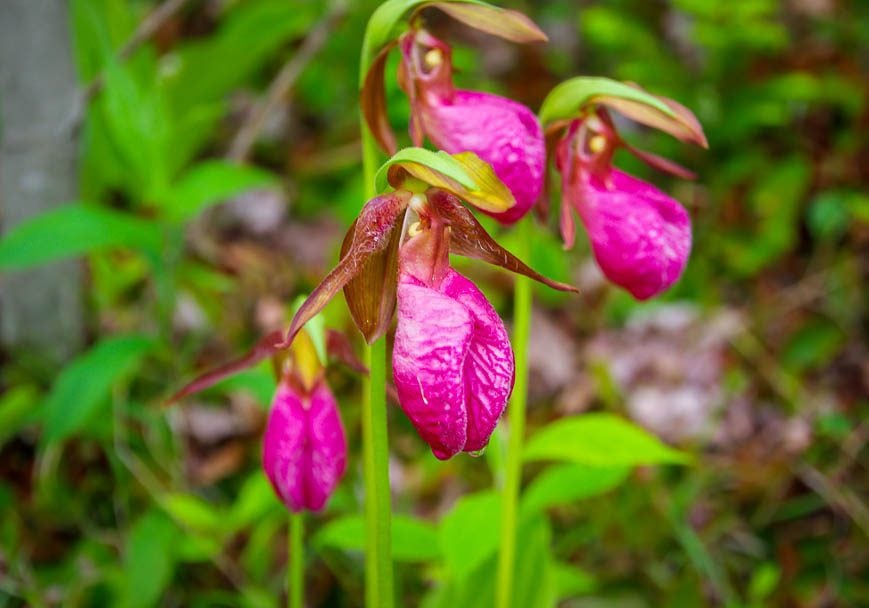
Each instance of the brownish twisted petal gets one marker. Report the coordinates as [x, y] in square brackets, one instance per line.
[372, 99]
[470, 239]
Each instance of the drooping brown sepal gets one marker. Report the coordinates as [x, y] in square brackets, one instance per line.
[370, 293]
[372, 234]
[372, 99]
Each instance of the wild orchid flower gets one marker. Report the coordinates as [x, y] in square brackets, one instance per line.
[452, 363]
[640, 237]
[502, 132]
[304, 446]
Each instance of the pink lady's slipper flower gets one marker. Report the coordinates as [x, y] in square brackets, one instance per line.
[304, 448]
[502, 132]
[452, 362]
[640, 237]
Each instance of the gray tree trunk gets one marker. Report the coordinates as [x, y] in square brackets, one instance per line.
[41, 310]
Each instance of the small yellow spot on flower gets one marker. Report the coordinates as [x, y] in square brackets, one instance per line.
[415, 228]
[597, 144]
[433, 58]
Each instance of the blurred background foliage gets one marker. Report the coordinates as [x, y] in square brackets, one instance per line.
[755, 363]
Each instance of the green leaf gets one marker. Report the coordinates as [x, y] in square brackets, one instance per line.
[413, 540]
[571, 581]
[534, 584]
[149, 559]
[73, 230]
[84, 385]
[141, 129]
[19, 406]
[194, 513]
[255, 500]
[212, 182]
[600, 440]
[470, 532]
[568, 98]
[568, 483]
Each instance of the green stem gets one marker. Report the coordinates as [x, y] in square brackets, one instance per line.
[516, 429]
[378, 516]
[375, 442]
[296, 566]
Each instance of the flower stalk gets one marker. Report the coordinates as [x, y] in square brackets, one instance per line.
[522, 302]
[375, 442]
[296, 562]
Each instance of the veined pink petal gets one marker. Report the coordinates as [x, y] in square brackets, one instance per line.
[502, 132]
[304, 447]
[641, 237]
[489, 366]
[452, 362]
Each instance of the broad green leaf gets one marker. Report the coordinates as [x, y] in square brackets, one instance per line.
[470, 532]
[534, 584]
[99, 28]
[192, 512]
[254, 501]
[413, 540]
[140, 127]
[571, 581]
[567, 483]
[250, 33]
[84, 385]
[149, 559]
[212, 182]
[600, 440]
[73, 230]
[19, 406]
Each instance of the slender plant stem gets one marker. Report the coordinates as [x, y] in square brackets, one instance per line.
[375, 443]
[296, 559]
[516, 419]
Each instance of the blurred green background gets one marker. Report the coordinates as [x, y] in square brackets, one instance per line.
[755, 363]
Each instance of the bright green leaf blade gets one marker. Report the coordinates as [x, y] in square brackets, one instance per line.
[212, 182]
[571, 581]
[600, 440]
[567, 483]
[84, 385]
[470, 532]
[193, 513]
[149, 559]
[19, 406]
[413, 540]
[567, 98]
[73, 230]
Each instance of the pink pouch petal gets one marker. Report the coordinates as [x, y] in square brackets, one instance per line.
[502, 132]
[431, 342]
[641, 237]
[304, 448]
[452, 363]
[489, 366]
